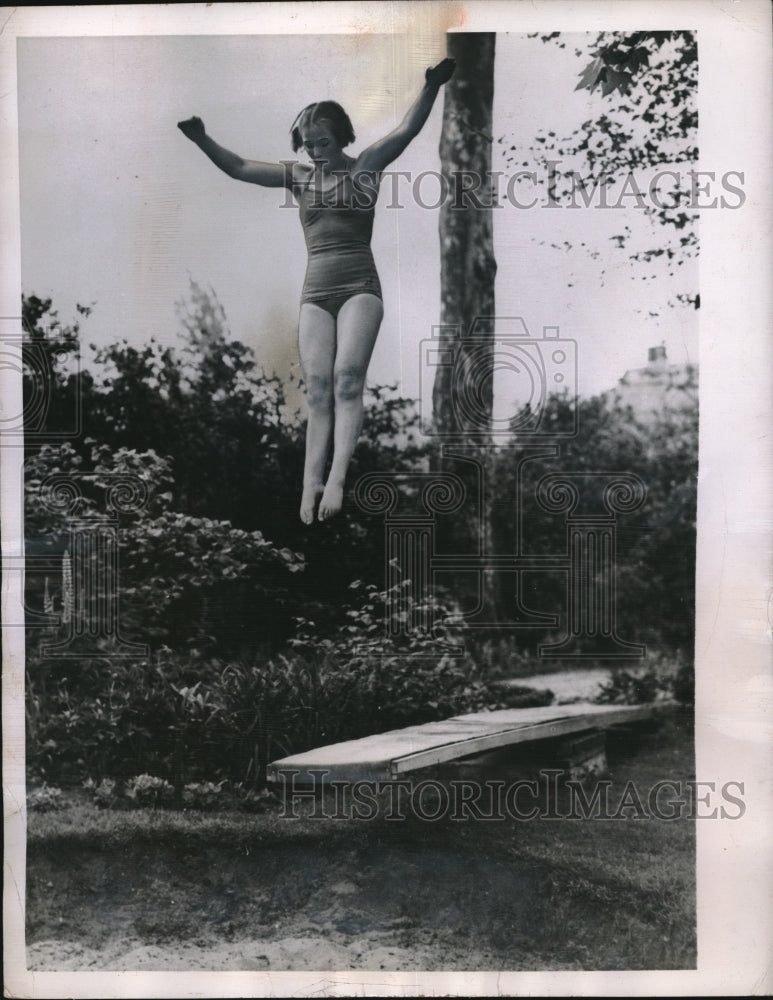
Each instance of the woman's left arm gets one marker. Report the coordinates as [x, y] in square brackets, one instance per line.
[383, 152]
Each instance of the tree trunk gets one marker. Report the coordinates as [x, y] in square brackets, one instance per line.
[462, 395]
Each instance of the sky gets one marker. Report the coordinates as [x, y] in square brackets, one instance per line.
[120, 210]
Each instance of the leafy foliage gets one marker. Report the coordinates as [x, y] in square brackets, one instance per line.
[52, 381]
[646, 120]
[199, 718]
[147, 790]
[221, 456]
[182, 578]
[46, 798]
[264, 647]
[655, 545]
[662, 677]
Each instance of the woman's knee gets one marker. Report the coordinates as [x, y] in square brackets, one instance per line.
[319, 393]
[349, 383]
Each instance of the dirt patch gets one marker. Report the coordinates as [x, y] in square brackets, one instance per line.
[321, 954]
[283, 907]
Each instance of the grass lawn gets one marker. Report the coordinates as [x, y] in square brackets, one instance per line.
[160, 889]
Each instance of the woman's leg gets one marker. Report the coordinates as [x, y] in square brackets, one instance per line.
[317, 348]
[358, 324]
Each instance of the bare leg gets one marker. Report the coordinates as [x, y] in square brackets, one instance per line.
[357, 328]
[317, 346]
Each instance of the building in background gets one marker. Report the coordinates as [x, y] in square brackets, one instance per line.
[657, 388]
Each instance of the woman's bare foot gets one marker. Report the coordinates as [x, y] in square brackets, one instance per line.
[309, 501]
[331, 501]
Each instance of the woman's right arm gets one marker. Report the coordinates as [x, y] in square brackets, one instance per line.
[252, 171]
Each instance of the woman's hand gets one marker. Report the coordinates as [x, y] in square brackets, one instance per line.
[193, 128]
[436, 76]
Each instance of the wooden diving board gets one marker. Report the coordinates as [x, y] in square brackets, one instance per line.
[386, 756]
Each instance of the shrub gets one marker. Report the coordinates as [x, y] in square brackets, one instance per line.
[662, 678]
[205, 795]
[182, 578]
[684, 683]
[503, 656]
[257, 802]
[45, 799]
[627, 687]
[104, 794]
[178, 720]
[147, 790]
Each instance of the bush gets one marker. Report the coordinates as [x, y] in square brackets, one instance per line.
[104, 794]
[45, 799]
[183, 579]
[205, 795]
[181, 720]
[662, 678]
[684, 683]
[503, 656]
[147, 790]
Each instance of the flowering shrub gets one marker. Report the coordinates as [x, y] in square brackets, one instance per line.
[45, 799]
[147, 790]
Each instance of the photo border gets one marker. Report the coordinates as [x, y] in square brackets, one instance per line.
[733, 623]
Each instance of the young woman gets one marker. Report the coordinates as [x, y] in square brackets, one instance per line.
[341, 307]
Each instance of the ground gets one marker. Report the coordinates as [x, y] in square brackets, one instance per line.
[159, 890]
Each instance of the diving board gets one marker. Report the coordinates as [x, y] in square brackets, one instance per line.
[386, 756]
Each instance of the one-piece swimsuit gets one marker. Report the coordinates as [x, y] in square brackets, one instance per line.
[337, 225]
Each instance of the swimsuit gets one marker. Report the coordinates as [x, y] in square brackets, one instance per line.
[331, 303]
[337, 226]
